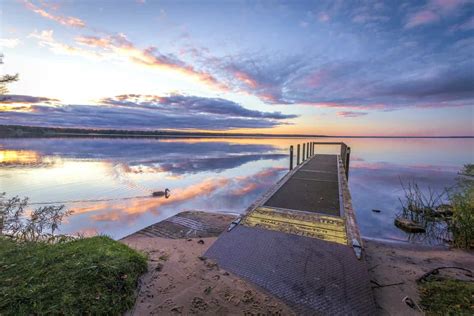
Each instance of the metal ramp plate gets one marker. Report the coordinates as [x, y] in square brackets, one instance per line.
[312, 225]
[312, 276]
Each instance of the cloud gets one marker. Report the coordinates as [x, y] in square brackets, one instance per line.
[124, 112]
[380, 68]
[119, 46]
[363, 84]
[467, 25]
[46, 39]
[192, 105]
[421, 18]
[433, 11]
[323, 17]
[441, 86]
[351, 114]
[64, 20]
[263, 76]
[448, 5]
[26, 99]
[9, 42]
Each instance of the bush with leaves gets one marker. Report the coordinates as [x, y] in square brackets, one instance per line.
[30, 225]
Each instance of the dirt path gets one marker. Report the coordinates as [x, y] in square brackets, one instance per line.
[179, 281]
[404, 263]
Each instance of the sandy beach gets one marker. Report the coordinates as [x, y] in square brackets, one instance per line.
[180, 281]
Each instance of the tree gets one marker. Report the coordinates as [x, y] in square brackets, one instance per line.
[6, 79]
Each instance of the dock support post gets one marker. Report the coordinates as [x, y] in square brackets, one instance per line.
[291, 157]
[304, 152]
[348, 158]
[298, 154]
[309, 154]
[314, 149]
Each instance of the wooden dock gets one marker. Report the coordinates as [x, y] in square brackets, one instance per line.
[300, 241]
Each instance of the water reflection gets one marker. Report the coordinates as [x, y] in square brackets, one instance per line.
[22, 158]
[378, 186]
[219, 175]
[109, 183]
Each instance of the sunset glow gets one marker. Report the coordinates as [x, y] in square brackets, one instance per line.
[331, 68]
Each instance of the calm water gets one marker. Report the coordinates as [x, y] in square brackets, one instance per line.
[216, 175]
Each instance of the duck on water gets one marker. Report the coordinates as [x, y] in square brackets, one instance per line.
[165, 193]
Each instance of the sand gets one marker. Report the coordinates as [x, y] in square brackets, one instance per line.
[181, 281]
[391, 263]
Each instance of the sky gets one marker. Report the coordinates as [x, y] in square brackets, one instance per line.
[315, 67]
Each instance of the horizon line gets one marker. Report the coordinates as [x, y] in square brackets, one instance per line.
[181, 133]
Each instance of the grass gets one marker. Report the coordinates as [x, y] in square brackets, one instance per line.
[447, 297]
[462, 226]
[86, 276]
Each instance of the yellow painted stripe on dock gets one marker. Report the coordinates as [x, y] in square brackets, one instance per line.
[297, 217]
[324, 222]
[310, 225]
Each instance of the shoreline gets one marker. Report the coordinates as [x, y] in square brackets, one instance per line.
[180, 277]
[395, 268]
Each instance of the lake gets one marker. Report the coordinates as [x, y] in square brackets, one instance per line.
[108, 182]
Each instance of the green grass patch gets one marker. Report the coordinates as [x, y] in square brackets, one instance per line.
[447, 297]
[87, 276]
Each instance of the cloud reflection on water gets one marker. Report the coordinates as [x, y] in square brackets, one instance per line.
[219, 175]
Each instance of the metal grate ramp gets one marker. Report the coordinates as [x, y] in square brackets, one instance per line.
[310, 275]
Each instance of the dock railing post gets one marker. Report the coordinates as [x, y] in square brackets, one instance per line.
[291, 157]
[304, 152]
[343, 153]
[309, 153]
[314, 150]
[298, 154]
[348, 158]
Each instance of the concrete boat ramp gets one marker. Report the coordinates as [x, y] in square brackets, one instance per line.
[300, 241]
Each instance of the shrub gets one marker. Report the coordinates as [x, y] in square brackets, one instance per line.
[39, 224]
[462, 224]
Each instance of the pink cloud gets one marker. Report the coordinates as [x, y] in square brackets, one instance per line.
[433, 12]
[421, 18]
[378, 106]
[323, 17]
[351, 114]
[64, 20]
[120, 46]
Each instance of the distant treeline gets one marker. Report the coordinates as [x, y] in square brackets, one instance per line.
[34, 131]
